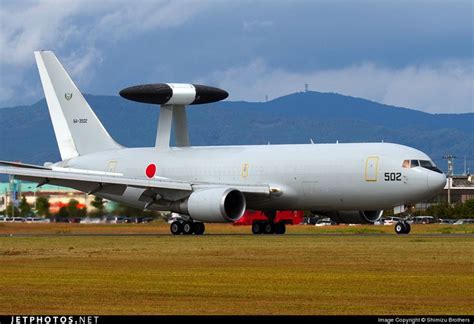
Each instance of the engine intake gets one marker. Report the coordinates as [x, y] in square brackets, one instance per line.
[215, 205]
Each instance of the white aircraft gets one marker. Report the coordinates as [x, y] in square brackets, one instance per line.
[351, 183]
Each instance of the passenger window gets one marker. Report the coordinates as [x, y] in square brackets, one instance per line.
[414, 163]
[406, 164]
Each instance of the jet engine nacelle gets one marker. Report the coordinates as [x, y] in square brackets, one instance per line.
[355, 216]
[215, 205]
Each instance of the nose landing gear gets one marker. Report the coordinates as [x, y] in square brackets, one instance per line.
[402, 227]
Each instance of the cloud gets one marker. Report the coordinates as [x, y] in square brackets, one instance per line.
[250, 26]
[39, 24]
[30, 26]
[123, 20]
[226, 36]
[80, 63]
[79, 28]
[443, 87]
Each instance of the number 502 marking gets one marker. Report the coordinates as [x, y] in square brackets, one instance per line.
[392, 176]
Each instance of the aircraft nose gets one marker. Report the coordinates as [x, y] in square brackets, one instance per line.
[436, 181]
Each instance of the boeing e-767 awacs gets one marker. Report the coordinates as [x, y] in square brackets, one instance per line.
[352, 183]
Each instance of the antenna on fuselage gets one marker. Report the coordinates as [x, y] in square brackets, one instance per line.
[173, 99]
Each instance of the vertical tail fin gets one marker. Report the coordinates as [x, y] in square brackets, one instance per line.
[78, 130]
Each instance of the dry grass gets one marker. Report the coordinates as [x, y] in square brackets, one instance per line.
[233, 274]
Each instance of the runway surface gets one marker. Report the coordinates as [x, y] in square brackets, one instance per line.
[143, 269]
[234, 234]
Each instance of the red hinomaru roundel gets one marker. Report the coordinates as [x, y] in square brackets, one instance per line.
[150, 170]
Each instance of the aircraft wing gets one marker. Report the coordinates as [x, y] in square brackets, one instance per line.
[104, 182]
[23, 165]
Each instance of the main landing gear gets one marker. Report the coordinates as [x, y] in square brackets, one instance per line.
[268, 226]
[402, 227]
[187, 228]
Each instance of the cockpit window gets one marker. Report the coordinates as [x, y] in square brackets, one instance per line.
[427, 164]
[430, 166]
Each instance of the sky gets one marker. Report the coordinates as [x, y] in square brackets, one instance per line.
[409, 53]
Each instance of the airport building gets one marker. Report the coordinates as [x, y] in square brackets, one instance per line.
[58, 196]
[461, 188]
[458, 189]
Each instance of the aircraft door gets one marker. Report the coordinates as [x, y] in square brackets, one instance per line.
[371, 168]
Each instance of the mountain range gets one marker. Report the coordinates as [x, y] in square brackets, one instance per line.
[26, 132]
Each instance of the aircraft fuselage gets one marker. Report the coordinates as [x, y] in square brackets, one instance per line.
[367, 176]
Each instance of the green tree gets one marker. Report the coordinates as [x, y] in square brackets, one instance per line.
[25, 207]
[470, 205]
[74, 210]
[63, 212]
[127, 211]
[12, 211]
[458, 210]
[99, 204]
[82, 212]
[42, 206]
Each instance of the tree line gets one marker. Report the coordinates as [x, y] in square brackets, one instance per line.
[72, 209]
[445, 210]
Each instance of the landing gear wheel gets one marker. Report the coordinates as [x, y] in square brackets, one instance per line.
[280, 228]
[176, 228]
[257, 228]
[400, 228]
[199, 228]
[407, 228]
[188, 228]
[269, 228]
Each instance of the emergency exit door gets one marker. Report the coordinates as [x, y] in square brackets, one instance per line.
[371, 168]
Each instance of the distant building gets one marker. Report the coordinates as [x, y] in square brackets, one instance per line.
[461, 189]
[58, 196]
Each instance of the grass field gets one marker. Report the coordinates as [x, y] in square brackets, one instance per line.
[235, 274]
